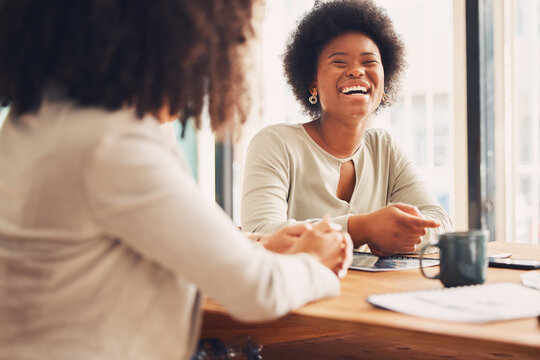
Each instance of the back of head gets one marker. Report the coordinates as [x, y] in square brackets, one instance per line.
[146, 54]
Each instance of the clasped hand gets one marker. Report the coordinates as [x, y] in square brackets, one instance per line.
[323, 240]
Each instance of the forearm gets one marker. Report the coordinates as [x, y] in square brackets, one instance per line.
[359, 229]
[259, 225]
[200, 246]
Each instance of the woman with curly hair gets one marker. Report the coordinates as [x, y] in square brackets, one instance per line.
[106, 244]
[343, 63]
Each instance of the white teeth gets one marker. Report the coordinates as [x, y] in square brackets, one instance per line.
[358, 88]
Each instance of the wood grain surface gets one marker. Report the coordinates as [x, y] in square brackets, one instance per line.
[347, 327]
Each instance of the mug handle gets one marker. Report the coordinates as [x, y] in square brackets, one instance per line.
[438, 276]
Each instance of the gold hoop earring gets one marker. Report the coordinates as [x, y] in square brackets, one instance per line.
[385, 98]
[313, 98]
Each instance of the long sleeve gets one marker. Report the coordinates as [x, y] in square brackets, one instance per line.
[289, 178]
[138, 192]
[270, 189]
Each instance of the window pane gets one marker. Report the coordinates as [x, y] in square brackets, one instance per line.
[524, 210]
[278, 102]
[419, 119]
[524, 119]
[422, 118]
[441, 131]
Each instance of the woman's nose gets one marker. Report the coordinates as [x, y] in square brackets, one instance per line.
[355, 72]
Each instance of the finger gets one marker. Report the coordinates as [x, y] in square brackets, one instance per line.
[409, 231]
[379, 252]
[347, 261]
[407, 249]
[418, 222]
[414, 240]
[406, 241]
[414, 232]
[409, 209]
[297, 229]
[349, 245]
[418, 232]
[341, 273]
[339, 257]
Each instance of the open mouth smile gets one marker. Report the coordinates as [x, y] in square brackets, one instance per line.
[355, 90]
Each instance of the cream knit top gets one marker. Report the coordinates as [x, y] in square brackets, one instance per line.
[289, 177]
[106, 244]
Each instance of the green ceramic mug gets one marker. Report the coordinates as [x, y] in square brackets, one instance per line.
[463, 258]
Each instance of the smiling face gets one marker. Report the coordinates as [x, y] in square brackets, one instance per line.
[350, 77]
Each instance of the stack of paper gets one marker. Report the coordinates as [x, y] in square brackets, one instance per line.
[531, 279]
[477, 303]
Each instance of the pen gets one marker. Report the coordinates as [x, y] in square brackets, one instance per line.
[500, 256]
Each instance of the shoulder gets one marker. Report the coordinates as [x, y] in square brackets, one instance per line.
[379, 139]
[280, 131]
[377, 135]
[82, 129]
[285, 135]
[121, 137]
[124, 126]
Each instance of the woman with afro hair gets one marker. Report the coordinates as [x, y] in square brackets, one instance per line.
[343, 63]
[106, 244]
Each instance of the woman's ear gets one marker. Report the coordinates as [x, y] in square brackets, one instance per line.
[313, 88]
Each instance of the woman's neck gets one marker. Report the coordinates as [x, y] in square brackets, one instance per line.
[335, 137]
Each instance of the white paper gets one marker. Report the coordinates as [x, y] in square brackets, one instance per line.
[477, 303]
[531, 279]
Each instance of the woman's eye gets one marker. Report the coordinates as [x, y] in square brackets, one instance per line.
[339, 62]
[371, 62]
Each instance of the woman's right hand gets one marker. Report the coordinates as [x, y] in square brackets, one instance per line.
[327, 244]
[393, 229]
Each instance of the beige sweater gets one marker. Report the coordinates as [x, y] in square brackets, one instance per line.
[105, 243]
[288, 178]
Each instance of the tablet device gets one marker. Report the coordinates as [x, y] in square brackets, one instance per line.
[368, 262]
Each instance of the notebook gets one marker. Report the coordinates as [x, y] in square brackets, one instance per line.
[475, 303]
[369, 262]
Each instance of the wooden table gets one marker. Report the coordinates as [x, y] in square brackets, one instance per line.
[347, 327]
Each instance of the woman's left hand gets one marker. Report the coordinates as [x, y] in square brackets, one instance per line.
[281, 240]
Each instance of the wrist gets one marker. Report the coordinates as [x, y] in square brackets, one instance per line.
[359, 229]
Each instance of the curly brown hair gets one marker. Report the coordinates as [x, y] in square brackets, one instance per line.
[325, 22]
[142, 53]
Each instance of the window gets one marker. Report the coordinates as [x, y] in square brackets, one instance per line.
[275, 103]
[422, 120]
[519, 126]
